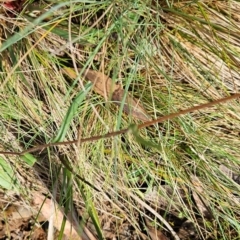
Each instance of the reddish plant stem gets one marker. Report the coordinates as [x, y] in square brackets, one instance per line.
[123, 131]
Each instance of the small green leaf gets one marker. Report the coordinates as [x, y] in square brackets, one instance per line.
[71, 113]
[29, 159]
[7, 178]
[141, 140]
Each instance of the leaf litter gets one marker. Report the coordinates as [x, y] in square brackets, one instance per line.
[105, 86]
[105, 89]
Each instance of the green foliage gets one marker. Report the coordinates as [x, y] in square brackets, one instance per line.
[29, 159]
[170, 55]
[8, 179]
[71, 113]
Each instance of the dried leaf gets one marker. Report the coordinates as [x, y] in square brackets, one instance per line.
[165, 197]
[200, 201]
[105, 86]
[154, 233]
[235, 177]
[131, 105]
[44, 206]
[228, 172]
[13, 220]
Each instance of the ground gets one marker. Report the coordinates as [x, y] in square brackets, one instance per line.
[119, 120]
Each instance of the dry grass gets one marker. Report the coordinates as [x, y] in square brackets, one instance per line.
[171, 57]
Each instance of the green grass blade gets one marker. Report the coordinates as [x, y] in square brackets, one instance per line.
[87, 197]
[31, 27]
[7, 179]
[71, 113]
[29, 159]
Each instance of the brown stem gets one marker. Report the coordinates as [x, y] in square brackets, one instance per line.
[112, 134]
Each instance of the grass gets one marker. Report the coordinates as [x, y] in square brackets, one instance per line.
[170, 56]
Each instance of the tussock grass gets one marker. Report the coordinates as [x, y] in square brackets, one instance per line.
[170, 56]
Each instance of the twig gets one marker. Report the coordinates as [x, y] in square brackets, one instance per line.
[123, 131]
[79, 137]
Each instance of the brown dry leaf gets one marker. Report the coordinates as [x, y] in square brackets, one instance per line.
[154, 233]
[13, 220]
[105, 86]
[44, 206]
[20, 212]
[165, 197]
[229, 173]
[235, 177]
[200, 201]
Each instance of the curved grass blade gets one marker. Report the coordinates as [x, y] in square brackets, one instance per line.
[31, 27]
[29, 159]
[7, 178]
[71, 113]
[141, 140]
